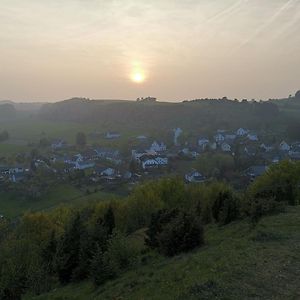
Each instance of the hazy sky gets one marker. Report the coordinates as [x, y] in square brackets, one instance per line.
[55, 49]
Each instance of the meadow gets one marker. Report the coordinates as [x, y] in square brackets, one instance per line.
[12, 205]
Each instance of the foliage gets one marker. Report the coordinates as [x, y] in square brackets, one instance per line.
[271, 192]
[174, 232]
[215, 164]
[94, 240]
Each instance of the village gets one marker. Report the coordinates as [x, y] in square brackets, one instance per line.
[151, 159]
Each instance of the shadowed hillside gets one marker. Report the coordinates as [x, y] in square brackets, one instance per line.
[161, 115]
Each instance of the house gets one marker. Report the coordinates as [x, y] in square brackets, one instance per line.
[141, 137]
[242, 132]
[230, 137]
[255, 171]
[219, 137]
[153, 161]
[148, 161]
[108, 172]
[127, 175]
[266, 148]
[112, 135]
[284, 146]
[158, 146]
[136, 154]
[203, 143]
[294, 155]
[73, 160]
[194, 176]
[112, 155]
[192, 153]
[58, 144]
[252, 136]
[14, 174]
[90, 154]
[4, 170]
[84, 164]
[295, 147]
[17, 177]
[225, 147]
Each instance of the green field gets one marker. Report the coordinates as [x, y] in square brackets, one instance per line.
[11, 205]
[25, 133]
[238, 262]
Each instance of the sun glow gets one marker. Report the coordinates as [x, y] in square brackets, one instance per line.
[138, 77]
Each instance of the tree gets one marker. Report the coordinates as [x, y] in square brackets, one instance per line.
[81, 139]
[109, 220]
[101, 270]
[69, 251]
[297, 95]
[172, 232]
[225, 209]
[182, 234]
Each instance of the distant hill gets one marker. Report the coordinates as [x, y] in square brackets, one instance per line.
[7, 111]
[192, 115]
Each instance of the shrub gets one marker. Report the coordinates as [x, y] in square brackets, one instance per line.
[174, 232]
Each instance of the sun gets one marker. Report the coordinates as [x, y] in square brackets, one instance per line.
[138, 77]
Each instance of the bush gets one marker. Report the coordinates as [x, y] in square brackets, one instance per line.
[174, 232]
[225, 208]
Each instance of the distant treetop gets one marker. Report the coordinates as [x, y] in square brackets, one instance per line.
[147, 99]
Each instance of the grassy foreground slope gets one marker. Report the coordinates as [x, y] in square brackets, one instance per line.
[238, 262]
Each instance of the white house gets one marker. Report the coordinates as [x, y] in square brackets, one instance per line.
[226, 147]
[16, 170]
[84, 164]
[219, 137]
[73, 160]
[108, 172]
[284, 146]
[136, 154]
[203, 143]
[266, 147]
[241, 132]
[57, 144]
[158, 146]
[194, 176]
[141, 137]
[112, 135]
[252, 137]
[149, 161]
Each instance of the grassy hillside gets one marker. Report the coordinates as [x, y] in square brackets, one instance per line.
[12, 205]
[238, 262]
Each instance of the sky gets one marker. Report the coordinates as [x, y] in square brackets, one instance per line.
[171, 49]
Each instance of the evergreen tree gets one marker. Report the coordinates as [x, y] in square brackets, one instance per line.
[109, 220]
[48, 253]
[68, 254]
[101, 270]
